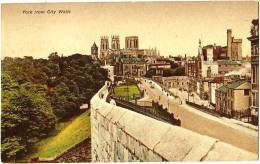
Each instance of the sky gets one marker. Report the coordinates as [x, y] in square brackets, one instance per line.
[172, 27]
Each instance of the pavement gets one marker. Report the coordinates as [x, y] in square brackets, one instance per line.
[203, 123]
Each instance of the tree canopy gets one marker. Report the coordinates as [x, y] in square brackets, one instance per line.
[36, 93]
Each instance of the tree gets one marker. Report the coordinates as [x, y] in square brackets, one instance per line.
[179, 71]
[26, 117]
[38, 92]
[64, 102]
[174, 65]
[77, 74]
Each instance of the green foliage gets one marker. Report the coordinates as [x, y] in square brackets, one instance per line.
[174, 71]
[179, 71]
[174, 65]
[69, 81]
[11, 147]
[26, 117]
[38, 92]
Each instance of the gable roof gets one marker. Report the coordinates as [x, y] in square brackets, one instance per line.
[232, 85]
[235, 84]
[223, 88]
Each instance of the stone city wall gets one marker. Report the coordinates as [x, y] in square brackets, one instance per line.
[118, 134]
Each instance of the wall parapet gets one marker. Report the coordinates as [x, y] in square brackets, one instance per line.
[118, 134]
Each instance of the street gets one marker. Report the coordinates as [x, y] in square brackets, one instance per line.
[203, 123]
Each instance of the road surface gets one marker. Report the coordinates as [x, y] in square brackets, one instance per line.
[203, 123]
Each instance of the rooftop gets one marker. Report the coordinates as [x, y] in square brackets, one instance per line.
[222, 89]
[132, 60]
[235, 84]
[232, 85]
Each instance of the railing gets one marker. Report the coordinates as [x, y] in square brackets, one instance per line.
[156, 111]
[204, 109]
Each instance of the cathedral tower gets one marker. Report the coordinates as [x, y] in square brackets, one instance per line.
[229, 43]
[104, 46]
[131, 42]
[115, 42]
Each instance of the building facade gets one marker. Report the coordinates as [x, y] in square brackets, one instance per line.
[180, 82]
[109, 52]
[254, 95]
[232, 99]
[221, 100]
[132, 43]
[104, 46]
[234, 47]
[137, 69]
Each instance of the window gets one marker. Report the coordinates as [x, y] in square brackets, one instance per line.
[246, 92]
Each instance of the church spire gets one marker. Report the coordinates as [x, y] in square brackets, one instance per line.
[200, 48]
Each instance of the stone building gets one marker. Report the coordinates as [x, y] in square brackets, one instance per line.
[234, 47]
[132, 43]
[131, 69]
[115, 42]
[191, 68]
[233, 50]
[209, 69]
[233, 98]
[127, 66]
[191, 71]
[212, 61]
[221, 100]
[179, 60]
[214, 83]
[254, 95]
[180, 82]
[109, 54]
[159, 65]
[214, 52]
[207, 52]
[104, 46]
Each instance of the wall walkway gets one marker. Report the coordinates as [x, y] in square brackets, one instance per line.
[118, 134]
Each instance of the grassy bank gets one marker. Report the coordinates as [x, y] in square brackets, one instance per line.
[71, 133]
